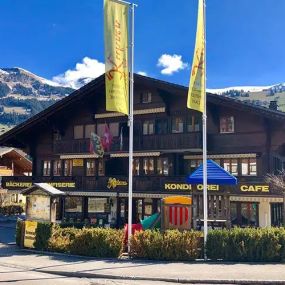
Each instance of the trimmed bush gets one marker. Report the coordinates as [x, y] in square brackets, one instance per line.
[97, 242]
[20, 227]
[247, 244]
[170, 245]
[43, 234]
[61, 238]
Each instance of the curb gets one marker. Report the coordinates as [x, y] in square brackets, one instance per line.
[161, 279]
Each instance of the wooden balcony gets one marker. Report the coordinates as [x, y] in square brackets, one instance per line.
[146, 142]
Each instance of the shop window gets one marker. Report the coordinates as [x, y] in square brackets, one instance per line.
[90, 167]
[162, 166]
[227, 124]
[177, 125]
[148, 211]
[148, 127]
[46, 167]
[97, 205]
[148, 166]
[136, 166]
[231, 165]
[73, 207]
[161, 126]
[146, 97]
[57, 167]
[248, 166]
[67, 167]
[101, 169]
[114, 129]
[78, 132]
[244, 214]
[89, 129]
[193, 124]
[276, 214]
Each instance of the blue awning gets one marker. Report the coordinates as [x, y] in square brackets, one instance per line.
[215, 175]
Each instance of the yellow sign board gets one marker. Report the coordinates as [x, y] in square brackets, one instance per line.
[30, 234]
[77, 162]
[185, 187]
[113, 183]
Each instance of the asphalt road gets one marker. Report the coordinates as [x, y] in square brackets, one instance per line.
[7, 232]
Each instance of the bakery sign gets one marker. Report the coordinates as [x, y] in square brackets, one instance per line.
[14, 185]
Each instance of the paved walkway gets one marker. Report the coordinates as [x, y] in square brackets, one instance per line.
[199, 272]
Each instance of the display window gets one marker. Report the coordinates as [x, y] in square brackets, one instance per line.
[244, 214]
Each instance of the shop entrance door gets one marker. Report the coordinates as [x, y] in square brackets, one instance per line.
[142, 208]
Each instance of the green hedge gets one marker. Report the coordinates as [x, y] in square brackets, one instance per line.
[43, 234]
[97, 242]
[247, 244]
[20, 226]
[170, 245]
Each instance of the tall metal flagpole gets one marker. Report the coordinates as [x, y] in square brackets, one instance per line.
[131, 117]
[205, 196]
[131, 126]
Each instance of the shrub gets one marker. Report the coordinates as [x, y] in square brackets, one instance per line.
[19, 232]
[248, 244]
[97, 242]
[170, 245]
[61, 238]
[43, 233]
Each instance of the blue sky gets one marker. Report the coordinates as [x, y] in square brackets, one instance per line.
[245, 39]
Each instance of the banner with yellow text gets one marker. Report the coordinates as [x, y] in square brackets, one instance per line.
[196, 92]
[116, 56]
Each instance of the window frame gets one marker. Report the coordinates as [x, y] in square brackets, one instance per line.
[90, 171]
[75, 136]
[46, 173]
[57, 167]
[226, 123]
[177, 130]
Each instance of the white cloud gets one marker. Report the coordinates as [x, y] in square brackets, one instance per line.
[83, 73]
[171, 63]
[142, 73]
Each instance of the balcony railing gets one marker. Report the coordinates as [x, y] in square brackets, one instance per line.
[146, 142]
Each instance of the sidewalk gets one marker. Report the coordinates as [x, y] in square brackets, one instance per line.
[199, 272]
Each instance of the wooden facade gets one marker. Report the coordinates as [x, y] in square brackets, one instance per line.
[247, 140]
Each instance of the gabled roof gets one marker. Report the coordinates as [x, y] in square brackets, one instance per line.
[89, 89]
[215, 175]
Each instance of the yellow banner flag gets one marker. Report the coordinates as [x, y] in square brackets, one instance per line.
[196, 92]
[116, 56]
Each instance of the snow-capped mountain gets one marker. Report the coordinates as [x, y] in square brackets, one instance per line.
[259, 95]
[22, 84]
[23, 94]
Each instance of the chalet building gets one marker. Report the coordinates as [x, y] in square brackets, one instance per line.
[247, 140]
[14, 162]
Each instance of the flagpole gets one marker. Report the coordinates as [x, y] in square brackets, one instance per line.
[131, 126]
[205, 194]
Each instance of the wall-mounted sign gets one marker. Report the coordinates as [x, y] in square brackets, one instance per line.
[113, 183]
[254, 188]
[23, 185]
[189, 187]
[77, 162]
[30, 233]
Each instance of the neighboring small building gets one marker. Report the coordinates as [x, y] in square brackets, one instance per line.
[14, 162]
